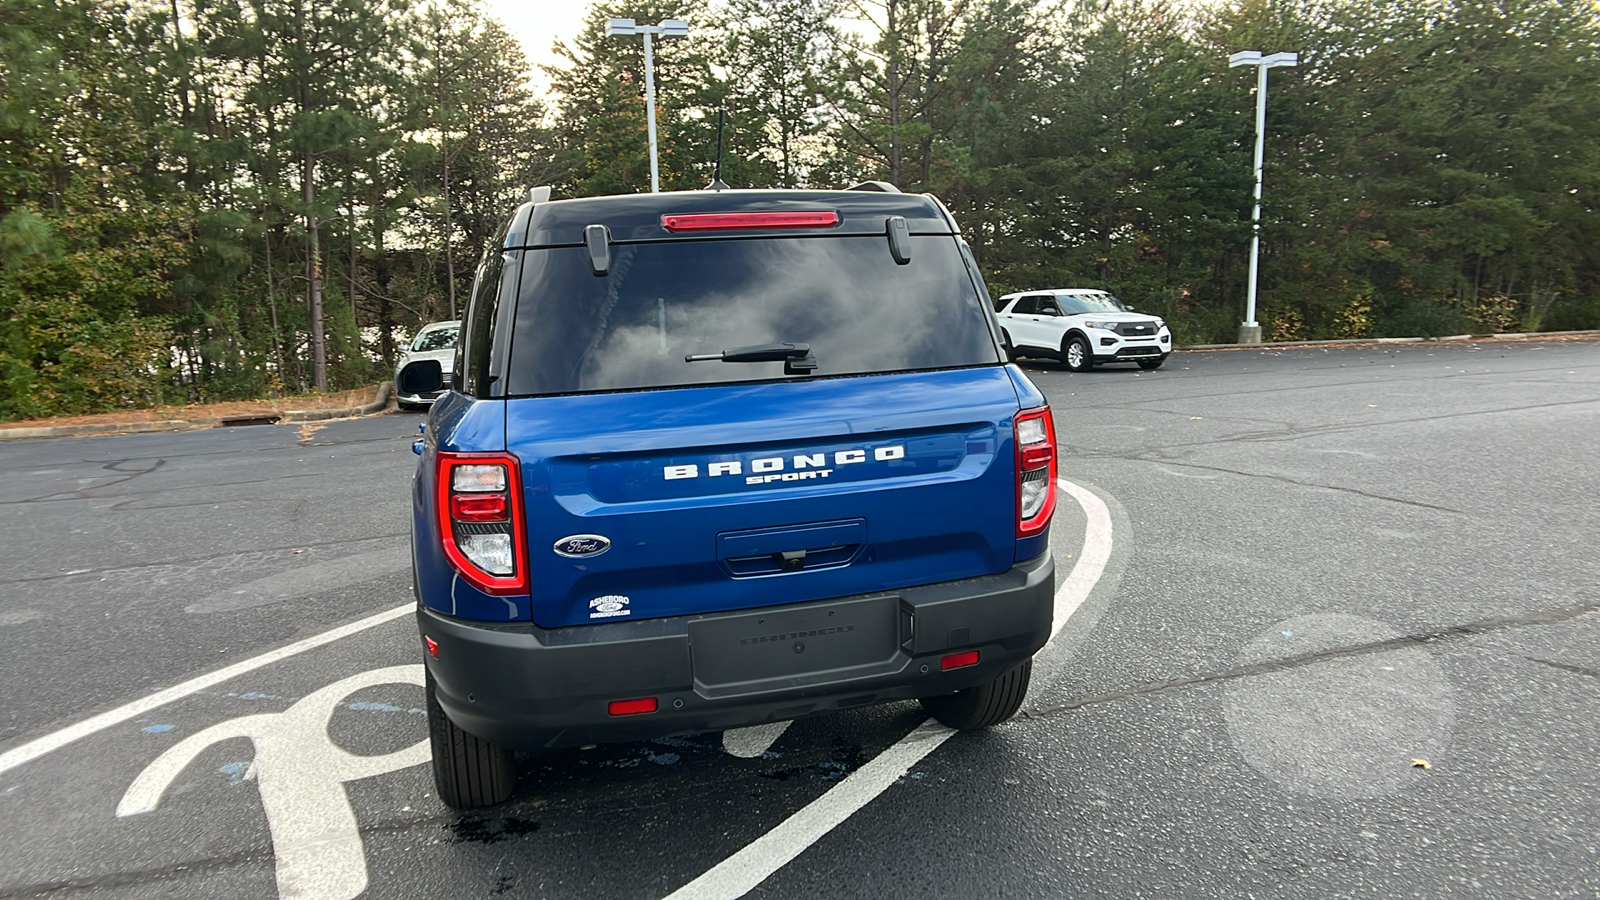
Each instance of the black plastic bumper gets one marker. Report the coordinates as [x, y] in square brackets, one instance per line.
[528, 687]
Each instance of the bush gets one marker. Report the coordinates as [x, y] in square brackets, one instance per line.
[1423, 318]
[1574, 316]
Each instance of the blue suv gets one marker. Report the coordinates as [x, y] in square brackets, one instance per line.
[713, 459]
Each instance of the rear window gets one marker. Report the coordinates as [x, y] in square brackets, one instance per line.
[845, 296]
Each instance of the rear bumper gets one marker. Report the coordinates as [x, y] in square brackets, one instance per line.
[530, 688]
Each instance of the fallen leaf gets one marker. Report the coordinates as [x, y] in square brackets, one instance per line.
[307, 430]
[1418, 762]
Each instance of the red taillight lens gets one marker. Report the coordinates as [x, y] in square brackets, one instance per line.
[480, 520]
[433, 646]
[822, 218]
[959, 660]
[479, 507]
[632, 707]
[1035, 434]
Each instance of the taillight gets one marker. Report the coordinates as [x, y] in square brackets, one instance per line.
[480, 520]
[750, 221]
[1035, 435]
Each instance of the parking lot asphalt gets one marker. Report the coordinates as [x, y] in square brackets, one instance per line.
[1333, 632]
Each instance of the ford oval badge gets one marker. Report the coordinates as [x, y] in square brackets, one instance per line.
[581, 545]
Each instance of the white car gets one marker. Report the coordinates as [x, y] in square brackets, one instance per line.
[1083, 328]
[436, 342]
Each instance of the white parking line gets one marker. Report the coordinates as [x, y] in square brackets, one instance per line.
[739, 873]
[743, 871]
[1092, 558]
[58, 739]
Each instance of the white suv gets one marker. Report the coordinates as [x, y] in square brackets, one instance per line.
[1082, 328]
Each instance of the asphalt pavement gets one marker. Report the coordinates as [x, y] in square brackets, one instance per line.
[1329, 629]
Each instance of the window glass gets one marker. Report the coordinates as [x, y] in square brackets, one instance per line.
[861, 313]
[472, 361]
[1089, 303]
[436, 339]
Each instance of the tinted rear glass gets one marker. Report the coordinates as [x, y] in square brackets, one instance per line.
[845, 296]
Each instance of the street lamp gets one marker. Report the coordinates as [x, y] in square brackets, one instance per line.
[1250, 331]
[667, 28]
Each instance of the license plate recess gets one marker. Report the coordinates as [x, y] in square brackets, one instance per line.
[795, 646]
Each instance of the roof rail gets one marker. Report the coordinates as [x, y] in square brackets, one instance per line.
[539, 194]
[882, 187]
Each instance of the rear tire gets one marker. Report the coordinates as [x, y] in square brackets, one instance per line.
[470, 773]
[1076, 354]
[985, 705]
[1151, 363]
[1005, 344]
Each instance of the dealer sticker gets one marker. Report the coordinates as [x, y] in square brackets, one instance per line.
[609, 606]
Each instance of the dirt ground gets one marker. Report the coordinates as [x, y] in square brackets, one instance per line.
[280, 405]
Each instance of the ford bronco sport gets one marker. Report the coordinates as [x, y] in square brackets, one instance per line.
[713, 459]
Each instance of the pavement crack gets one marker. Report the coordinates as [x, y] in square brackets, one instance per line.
[1306, 484]
[1565, 667]
[137, 877]
[169, 563]
[1290, 663]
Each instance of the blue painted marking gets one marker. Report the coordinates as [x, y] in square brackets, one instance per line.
[235, 771]
[157, 729]
[663, 759]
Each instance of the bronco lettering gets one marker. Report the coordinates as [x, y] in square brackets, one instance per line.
[773, 468]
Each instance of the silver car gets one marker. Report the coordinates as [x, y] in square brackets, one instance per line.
[436, 342]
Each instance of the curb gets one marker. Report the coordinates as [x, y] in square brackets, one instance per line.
[349, 412]
[385, 395]
[1356, 342]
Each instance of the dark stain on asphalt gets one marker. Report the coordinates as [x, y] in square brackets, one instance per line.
[842, 759]
[489, 829]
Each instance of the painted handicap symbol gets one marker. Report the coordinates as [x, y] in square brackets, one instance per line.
[300, 772]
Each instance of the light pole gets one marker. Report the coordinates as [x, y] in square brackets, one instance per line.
[667, 28]
[1250, 331]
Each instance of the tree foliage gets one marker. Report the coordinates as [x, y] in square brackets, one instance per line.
[220, 198]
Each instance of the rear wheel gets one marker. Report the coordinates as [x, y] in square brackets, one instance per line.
[1005, 343]
[1076, 354]
[985, 705]
[1151, 363]
[469, 772]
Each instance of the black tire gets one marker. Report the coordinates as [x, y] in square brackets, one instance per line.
[1151, 363]
[1076, 354]
[985, 705]
[469, 772]
[1005, 344]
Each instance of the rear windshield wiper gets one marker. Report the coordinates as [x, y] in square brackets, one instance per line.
[796, 358]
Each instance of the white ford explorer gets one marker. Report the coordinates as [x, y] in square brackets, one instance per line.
[1082, 328]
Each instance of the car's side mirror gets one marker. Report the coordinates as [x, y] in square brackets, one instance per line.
[421, 377]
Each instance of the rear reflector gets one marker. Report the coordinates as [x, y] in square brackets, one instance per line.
[823, 218]
[478, 507]
[632, 707]
[959, 660]
[433, 646]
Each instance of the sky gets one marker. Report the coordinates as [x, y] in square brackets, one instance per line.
[538, 24]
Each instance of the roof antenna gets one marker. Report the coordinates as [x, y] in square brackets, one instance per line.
[717, 184]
